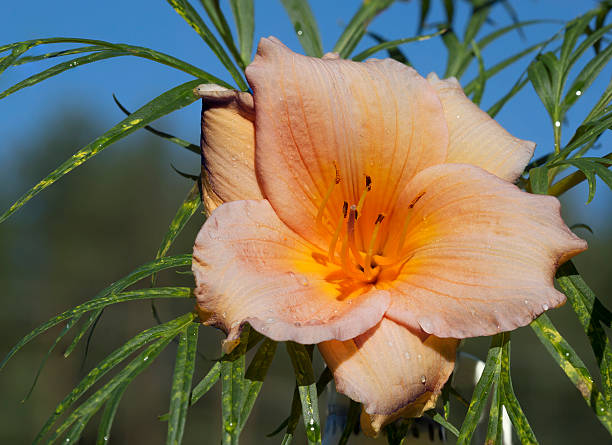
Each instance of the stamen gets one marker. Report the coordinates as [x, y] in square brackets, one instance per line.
[328, 193]
[368, 183]
[350, 230]
[368, 259]
[404, 232]
[332, 246]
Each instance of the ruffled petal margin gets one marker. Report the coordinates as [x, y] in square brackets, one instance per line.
[475, 138]
[393, 371]
[250, 268]
[481, 254]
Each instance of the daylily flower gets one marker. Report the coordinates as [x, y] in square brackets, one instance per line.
[370, 211]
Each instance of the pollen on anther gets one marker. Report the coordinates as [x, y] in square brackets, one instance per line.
[345, 208]
[337, 179]
[379, 218]
[368, 183]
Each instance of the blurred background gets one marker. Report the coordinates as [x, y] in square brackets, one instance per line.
[109, 215]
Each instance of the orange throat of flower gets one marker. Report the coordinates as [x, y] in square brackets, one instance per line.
[363, 244]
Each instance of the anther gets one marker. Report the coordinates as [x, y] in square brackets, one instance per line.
[350, 230]
[331, 253]
[328, 194]
[368, 259]
[368, 184]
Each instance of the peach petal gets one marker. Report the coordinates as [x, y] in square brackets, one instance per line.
[378, 118]
[482, 254]
[228, 146]
[475, 138]
[391, 370]
[250, 268]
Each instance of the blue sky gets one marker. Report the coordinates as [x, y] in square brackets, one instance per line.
[154, 24]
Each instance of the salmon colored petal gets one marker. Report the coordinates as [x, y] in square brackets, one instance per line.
[321, 119]
[475, 138]
[249, 267]
[480, 254]
[389, 368]
[228, 145]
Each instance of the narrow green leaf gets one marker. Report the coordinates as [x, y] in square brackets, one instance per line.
[243, 11]
[482, 75]
[301, 359]
[305, 26]
[178, 141]
[232, 390]
[167, 102]
[438, 418]
[394, 43]
[425, 7]
[518, 86]
[206, 383]
[185, 10]
[394, 52]
[478, 17]
[357, 27]
[213, 10]
[126, 375]
[538, 180]
[108, 416]
[54, 54]
[186, 210]
[60, 68]
[494, 427]
[61, 335]
[16, 51]
[515, 412]
[481, 392]
[586, 132]
[586, 77]
[137, 51]
[160, 331]
[76, 431]
[93, 318]
[107, 296]
[573, 367]
[591, 314]
[352, 418]
[324, 379]
[255, 375]
[181, 383]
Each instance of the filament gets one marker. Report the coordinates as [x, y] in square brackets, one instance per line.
[328, 194]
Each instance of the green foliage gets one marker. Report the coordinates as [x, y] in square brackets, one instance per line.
[559, 76]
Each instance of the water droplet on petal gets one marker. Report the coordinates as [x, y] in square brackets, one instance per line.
[545, 307]
[423, 379]
[419, 356]
[407, 355]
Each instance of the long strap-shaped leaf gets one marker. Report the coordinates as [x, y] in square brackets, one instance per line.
[181, 383]
[305, 26]
[174, 99]
[161, 333]
[137, 51]
[573, 367]
[307, 388]
[393, 44]
[488, 377]
[356, 28]
[185, 10]
[243, 11]
[109, 296]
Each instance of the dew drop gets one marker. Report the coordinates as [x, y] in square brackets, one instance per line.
[300, 32]
[423, 379]
[578, 93]
[458, 116]
[557, 124]
[145, 358]
[407, 355]
[567, 354]
[419, 356]
[270, 320]
[545, 307]
[302, 280]
[526, 301]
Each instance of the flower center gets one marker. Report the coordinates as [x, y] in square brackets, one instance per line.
[364, 243]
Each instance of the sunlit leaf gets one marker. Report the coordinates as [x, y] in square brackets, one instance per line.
[394, 43]
[185, 10]
[538, 180]
[301, 360]
[438, 418]
[111, 295]
[515, 412]
[213, 10]
[357, 27]
[187, 209]
[305, 26]
[245, 24]
[108, 416]
[489, 376]
[181, 383]
[255, 376]
[573, 367]
[494, 428]
[174, 99]
[232, 390]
